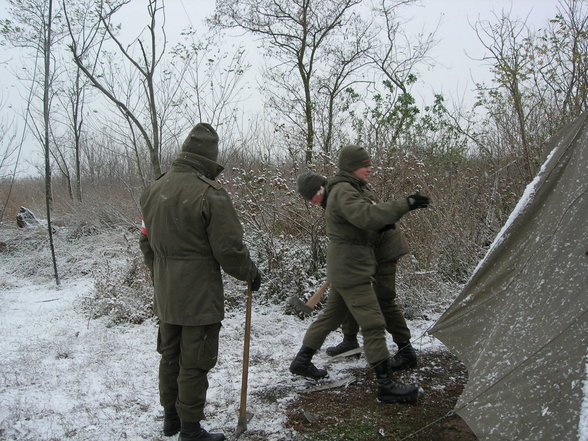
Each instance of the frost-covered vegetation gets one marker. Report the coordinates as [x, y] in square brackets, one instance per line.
[285, 235]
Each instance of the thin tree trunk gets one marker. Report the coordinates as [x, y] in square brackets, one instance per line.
[48, 189]
[518, 105]
[77, 126]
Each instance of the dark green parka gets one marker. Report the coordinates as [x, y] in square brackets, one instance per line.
[191, 231]
[359, 231]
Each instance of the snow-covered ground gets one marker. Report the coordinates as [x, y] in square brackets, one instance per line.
[66, 377]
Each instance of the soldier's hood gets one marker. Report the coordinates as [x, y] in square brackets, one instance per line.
[205, 166]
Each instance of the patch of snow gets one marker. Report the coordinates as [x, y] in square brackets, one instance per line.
[583, 423]
[64, 376]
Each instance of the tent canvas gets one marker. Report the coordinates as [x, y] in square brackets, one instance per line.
[520, 325]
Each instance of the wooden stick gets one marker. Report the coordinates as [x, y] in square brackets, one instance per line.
[242, 424]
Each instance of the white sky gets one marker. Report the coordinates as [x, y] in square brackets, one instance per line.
[454, 74]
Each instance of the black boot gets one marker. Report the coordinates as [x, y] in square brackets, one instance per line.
[390, 391]
[194, 432]
[171, 421]
[349, 342]
[301, 365]
[405, 358]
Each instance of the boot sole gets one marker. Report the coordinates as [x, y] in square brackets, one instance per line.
[334, 353]
[412, 398]
[312, 377]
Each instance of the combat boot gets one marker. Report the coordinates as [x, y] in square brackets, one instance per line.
[390, 391]
[349, 342]
[302, 364]
[405, 358]
[194, 432]
[171, 421]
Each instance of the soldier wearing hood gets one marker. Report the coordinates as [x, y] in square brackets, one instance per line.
[355, 222]
[190, 232]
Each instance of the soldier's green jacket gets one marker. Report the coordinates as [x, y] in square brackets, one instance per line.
[359, 231]
[191, 230]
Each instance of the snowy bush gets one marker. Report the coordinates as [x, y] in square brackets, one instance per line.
[285, 235]
[123, 289]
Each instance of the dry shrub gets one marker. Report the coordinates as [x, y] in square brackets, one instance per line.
[285, 235]
[27, 192]
[469, 204]
[106, 206]
[471, 199]
[123, 289]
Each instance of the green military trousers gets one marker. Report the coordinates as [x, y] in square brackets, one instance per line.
[187, 354]
[362, 303]
[385, 287]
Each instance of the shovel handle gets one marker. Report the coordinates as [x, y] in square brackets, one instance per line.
[246, 340]
[316, 297]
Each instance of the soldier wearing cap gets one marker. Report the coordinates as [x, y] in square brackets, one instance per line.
[364, 246]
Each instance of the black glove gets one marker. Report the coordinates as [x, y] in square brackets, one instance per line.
[256, 283]
[417, 201]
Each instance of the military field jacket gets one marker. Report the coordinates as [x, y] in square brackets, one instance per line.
[354, 226]
[191, 231]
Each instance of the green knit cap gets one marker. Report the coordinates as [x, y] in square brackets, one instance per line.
[352, 157]
[202, 140]
[309, 183]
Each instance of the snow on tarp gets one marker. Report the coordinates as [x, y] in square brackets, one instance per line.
[520, 325]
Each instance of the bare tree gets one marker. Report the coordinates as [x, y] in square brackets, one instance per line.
[346, 58]
[33, 27]
[560, 57]
[158, 91]
[145, 62]
[397, 60]
[9, 157]
[208, 79]
[68, 150]
[8, 145]
[295, 33]
[511, 66]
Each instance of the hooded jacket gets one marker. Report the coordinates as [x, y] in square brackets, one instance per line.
[354, 226]
[191, 231]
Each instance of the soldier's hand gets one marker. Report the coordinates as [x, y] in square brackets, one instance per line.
[256, 283]
[417, 201]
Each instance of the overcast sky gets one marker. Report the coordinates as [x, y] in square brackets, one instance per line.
[454, 74]
[453, 71]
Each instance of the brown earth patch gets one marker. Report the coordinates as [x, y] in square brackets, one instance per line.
[352, 413]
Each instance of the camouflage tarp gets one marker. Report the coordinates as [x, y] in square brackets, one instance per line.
[520, 325]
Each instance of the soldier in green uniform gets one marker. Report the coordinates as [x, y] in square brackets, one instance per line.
[389, 247]
[190, 232]
[354, 224]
